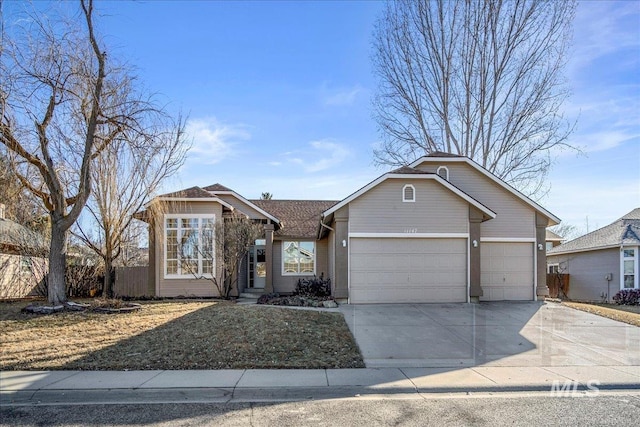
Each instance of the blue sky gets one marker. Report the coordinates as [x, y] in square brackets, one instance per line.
[278, 97]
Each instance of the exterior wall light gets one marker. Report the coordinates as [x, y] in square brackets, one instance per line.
[540, 246]
[475, 243]
[344, 243]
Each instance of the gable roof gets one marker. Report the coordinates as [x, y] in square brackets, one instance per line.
[299, 218]
[188, 193]
[217, 187]
[622, 232]
[447, 157]
[412, 173]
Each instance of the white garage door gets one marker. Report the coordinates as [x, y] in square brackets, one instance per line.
[506, 271]
[390, 270]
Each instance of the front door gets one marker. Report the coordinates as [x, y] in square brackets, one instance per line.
[257, 266]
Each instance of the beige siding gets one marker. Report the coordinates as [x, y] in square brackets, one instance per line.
[436, 209]
[15, 280]
[287, 284]
[408, 270]
[587, 271]
[184, 287]
[240, 205]
[514, 218]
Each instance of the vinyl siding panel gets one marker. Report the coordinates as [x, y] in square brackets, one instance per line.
[184, 287]
[587, 272]
[514, 218]
[435, 210]
[287, 284]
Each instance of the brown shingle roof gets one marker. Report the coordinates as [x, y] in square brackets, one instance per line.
[443, 154]
[300, 218]
[624, 231]
[407, 170]
[189, 193]
[217, 187]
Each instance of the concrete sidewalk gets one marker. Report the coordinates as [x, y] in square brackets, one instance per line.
[55, 387]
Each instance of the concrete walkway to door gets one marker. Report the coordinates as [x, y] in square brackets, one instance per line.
[516, 334]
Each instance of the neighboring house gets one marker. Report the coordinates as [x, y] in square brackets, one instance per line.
[602, 262]
[442, 229]
[23, 259]
[553, 240]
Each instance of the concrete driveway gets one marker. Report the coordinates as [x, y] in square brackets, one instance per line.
[518, 334]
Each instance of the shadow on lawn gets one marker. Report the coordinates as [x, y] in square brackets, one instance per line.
[228, 336]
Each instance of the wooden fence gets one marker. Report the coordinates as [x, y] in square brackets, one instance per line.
[132, 282]
[558, 285]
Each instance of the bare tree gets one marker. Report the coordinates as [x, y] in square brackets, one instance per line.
[222, 246]
[63, 100]
[477, 78]
[125, 176]
[266, 196]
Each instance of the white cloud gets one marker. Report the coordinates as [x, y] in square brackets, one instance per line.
[214, 141]
[343, 97]
[326, 154]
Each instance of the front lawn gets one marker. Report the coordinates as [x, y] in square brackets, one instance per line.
[176, 335]
[623, 313]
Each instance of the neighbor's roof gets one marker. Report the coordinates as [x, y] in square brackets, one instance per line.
[18, 239]
[300, 218]
[624, 231]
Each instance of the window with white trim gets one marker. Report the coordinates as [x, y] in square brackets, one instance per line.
[443, 171]
[408, 193]
[629, 267]
[188, 246]
[298, 258]
[553, 268]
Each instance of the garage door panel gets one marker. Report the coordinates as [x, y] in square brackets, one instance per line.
[408, 270]
[507, 271]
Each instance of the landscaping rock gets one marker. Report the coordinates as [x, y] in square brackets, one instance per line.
[43, 309]
[329, 304]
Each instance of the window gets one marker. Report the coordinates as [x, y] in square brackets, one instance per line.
[629, 269]
[298, 258]
[553, 268]
[188, 249]
[408, 193]
[443, 171]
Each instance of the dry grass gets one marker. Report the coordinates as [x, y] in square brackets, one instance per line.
[622, 313]
[176, 335]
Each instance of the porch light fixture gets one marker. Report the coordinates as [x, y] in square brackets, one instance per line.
[540, 247]
[344, 243]
[475, 243]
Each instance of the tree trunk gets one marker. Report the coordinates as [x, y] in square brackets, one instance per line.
[57, 290]
[107, 288]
